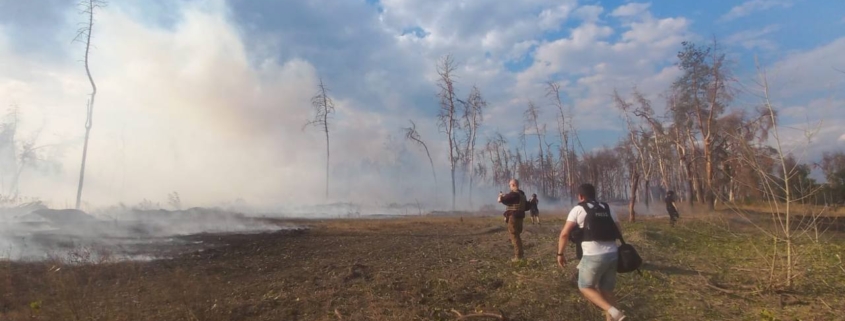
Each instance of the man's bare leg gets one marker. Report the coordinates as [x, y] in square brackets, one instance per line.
[611, 299]
[604, 300]
[596, 297]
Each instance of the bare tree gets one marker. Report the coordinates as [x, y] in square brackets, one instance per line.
[703, 89]
[473, 109]
[627, 155]
[413, 135]
[9, 155]
[17, 152]
[532, 115]
[323, 107]
[448, 119]
[645, 112]
[84, 35]
[781, 181]
[637, 157]
[174, 200]
[564, 127]
[786, 227]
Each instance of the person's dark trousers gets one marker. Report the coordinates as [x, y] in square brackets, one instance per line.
[673, 216]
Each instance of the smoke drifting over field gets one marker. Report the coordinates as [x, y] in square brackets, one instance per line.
[186, 109]
[34, 232]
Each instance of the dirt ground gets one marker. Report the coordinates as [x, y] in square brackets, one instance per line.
[423, 268]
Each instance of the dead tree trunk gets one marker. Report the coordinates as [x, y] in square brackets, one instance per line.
[635, 182]
[531, 119]
[412, 134]
[323, 107]
[473, 109]
[85, 33]
[447, 118]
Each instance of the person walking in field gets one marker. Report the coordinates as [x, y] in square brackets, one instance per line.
[670, 207]
[597, 268]
[517, 204]
[535, 212]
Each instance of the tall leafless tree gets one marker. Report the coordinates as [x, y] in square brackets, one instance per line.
[323, 108]
[646, 112]
[637, 154]
[448, 118]
[413, 135]
[564, 130]
[532, 121]
[473, 116]
[84, 35]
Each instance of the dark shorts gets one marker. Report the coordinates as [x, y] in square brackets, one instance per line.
[535, 213]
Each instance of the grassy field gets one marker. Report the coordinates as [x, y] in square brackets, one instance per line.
[708, 267]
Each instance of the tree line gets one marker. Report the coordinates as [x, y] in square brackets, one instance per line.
[702, 146]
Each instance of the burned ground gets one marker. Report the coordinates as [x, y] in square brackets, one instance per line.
[422, 268]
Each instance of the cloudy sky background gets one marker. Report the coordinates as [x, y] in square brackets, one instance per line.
[208, 98]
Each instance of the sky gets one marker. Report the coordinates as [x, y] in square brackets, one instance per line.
[208, 98]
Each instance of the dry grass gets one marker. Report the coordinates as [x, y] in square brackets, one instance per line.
[421, 268]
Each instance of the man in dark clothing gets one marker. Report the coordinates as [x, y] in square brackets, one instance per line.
[535, 212]
[670, 207]
[516, 204]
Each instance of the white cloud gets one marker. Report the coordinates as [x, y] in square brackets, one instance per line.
[749, 7]
[599, 65]
[463, 25]
[631, 9]
[589, 13]
[552, 18]
[751, 39]
[811, 127]
[809, 72]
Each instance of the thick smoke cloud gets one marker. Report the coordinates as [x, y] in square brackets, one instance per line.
[185, 107]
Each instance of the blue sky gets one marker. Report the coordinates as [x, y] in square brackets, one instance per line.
[242, 72]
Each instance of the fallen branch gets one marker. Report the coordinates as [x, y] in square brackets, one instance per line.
[827, 305]
[339, 316]
[747, 270]
[710, 284]
[500, 316]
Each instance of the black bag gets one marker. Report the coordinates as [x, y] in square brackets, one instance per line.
[629, 259]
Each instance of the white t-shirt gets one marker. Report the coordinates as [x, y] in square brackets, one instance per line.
[577, 215]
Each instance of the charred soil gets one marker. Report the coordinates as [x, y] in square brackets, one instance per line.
[423, 268]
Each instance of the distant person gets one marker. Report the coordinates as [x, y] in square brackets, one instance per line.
[670, 207]
[535, 212]
[514, 214]
[597, 269]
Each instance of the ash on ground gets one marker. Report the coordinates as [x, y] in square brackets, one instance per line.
[34, 232]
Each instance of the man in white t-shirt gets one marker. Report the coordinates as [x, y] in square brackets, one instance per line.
[597, 268]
